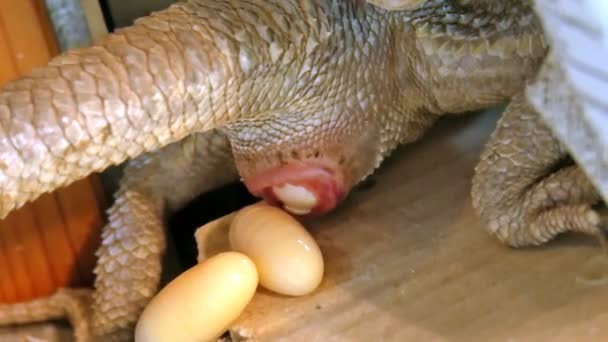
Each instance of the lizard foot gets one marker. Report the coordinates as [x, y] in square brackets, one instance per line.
[562, 202]
[73, 304]
[568, 210]
[526, 188]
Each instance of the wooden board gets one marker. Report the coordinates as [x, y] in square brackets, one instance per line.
[26, 39]
[407, 260]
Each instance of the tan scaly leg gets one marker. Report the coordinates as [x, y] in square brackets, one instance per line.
[133, 242]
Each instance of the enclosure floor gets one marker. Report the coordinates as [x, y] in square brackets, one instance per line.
[407, 260]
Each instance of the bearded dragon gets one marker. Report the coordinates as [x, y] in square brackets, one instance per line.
[291, 97]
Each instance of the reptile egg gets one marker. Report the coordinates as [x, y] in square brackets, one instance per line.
[201, 303]
[296, 199]
[397, 5]
[287, 258]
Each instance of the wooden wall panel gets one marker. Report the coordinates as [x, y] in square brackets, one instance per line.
[25, 31]
[8, 69]
[50, 242]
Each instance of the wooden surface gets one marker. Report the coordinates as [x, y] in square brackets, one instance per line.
[407, 260]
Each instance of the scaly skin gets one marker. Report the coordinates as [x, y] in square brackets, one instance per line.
[293, 87]
[526, 187]
[130, 257]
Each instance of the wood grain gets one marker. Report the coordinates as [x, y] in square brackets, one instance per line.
[25, 33]
[50, 242]
[8, 69]
[83, 241]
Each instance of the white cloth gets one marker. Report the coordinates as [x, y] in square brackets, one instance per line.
[578, 34]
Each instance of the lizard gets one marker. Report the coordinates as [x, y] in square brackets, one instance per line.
[289, 97]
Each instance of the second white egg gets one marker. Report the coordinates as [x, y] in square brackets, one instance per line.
[287, 258]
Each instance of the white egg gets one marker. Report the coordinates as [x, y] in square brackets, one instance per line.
[201, 303]
[287, 258]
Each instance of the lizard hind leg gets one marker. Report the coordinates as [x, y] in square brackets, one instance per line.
[133, 244]
[521, 189]
[128, 273]
[129, 265]
[128, 270]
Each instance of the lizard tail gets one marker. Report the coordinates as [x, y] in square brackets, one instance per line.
[138, 89]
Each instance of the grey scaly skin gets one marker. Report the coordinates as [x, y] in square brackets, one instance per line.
[206, 92]
[527, 189]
